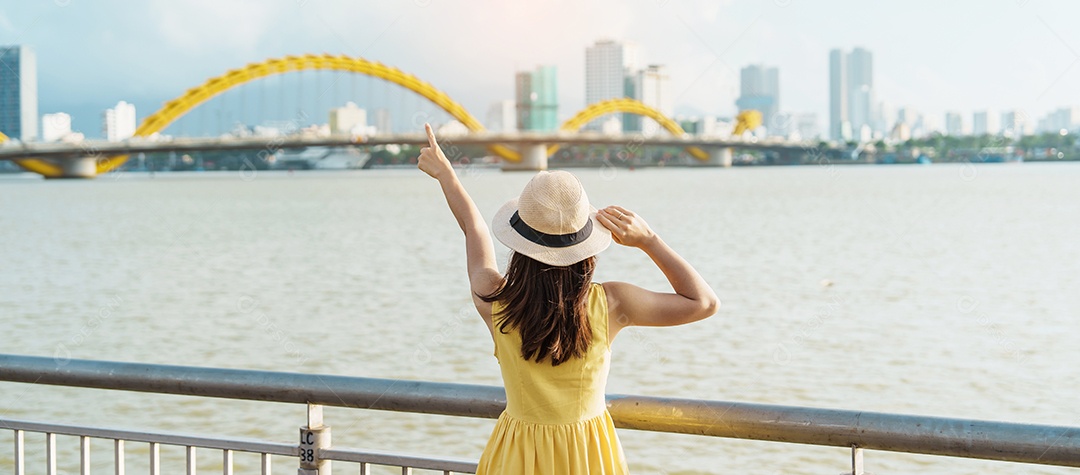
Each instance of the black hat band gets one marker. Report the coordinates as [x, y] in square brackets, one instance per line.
[550, 240]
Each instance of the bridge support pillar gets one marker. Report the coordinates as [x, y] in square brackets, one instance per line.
[721, 156]
[79, 167]
[533, 158]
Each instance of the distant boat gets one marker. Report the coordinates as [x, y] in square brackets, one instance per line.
[324, 158]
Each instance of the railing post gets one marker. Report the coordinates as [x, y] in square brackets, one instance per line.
[856, 461]
[20, 450]
[314, 437]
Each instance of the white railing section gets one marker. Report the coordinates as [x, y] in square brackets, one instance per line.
[225, 448]
[314, 452]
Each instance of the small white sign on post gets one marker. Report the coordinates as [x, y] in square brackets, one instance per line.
[314, 437]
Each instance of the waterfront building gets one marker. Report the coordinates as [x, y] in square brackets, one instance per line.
[860, 82]
[18, 92]
[383, 123]
[502, 116]
[536, 99]
[759, 89]
[119, 122]
[884, 118]
[708, 126]
[851, 94]
[348, 119]
[838, 108]
[1015, 123]
[453, 128]
[928, 124]
[608, 63]
[55, 127]
[650, 86]
[806, 126]
[954, 124]
[901, 132]
[1064, 118]
[984, 122]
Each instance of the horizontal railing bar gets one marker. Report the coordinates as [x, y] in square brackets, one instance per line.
[1040, 444]
[342, 391]
[989, 440]
[398, 460]
[239, 445]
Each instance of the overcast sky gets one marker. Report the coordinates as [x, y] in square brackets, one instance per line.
[930, 55]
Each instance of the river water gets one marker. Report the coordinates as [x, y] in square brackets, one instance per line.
[946, 290]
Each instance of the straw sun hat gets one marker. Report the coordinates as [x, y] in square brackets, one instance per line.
[552, 221]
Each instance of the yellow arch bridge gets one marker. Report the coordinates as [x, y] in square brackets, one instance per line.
[177, 108]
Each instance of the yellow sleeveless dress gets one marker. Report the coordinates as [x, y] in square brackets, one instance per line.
[556, 420]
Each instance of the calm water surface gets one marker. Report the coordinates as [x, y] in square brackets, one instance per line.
[953, 293]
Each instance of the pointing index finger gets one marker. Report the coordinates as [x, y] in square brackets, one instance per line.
[431, 136]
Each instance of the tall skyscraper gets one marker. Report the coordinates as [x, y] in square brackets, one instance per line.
[759, 89]
[18, 92]
[650, 86]
[119, 122]
[860, 79]
[851, 94]
[536, 97]
[838, 98]
[607, 65]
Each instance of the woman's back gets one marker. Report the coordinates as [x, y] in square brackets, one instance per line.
[572, 391]
[556, 419]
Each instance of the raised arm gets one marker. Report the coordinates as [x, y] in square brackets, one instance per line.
[484, 276]
[693, 299]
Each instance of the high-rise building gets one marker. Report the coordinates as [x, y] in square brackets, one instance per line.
[806, 126]
[536, 98]
[523, 98]
[607, 65]
[860, 82]
[650, 86]
[1065, 118]
[917, 124]
[851, 95]
[884, 118]
[55, 127]
[759, 89]
[907, 115]
[984, 122]
[1015, 123]
[18, 92]
[348, 119]
[838, 97]
[383, 123]
[119, 122]
[502, 116]
[929, 124]
[954, 123]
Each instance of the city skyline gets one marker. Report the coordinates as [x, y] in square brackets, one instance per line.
[132, 54]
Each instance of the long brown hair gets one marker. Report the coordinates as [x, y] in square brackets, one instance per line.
[548, 306]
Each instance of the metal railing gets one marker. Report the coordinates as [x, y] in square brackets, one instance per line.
[1037, 444]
